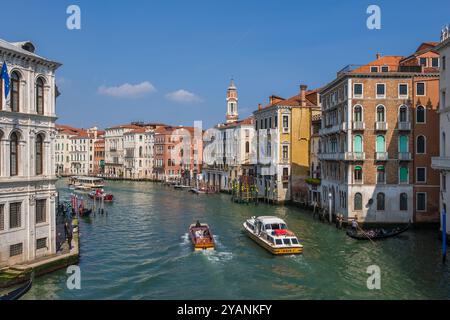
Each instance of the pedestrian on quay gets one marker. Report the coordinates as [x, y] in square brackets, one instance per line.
[68, 233]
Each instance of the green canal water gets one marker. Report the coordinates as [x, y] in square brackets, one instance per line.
[141, 250]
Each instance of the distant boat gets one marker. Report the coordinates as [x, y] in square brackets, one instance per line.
[201, 237]
[16, 294]
[107, 197]
[376, 234]
[198, 190]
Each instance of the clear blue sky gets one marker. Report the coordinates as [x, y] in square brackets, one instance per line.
[269, 47]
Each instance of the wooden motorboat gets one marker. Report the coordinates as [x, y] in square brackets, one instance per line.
[376, 233]
[272, 234]
[16, 294]
[201, 237]
[99, 195]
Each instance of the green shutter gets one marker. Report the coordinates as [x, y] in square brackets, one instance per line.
[403, 174]
[380, 144]
[403, 144]
[357, 145]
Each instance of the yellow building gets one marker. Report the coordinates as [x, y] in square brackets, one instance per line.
[283, 146]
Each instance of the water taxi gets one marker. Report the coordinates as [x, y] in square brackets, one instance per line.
[272, 234]
[86, 183]
[201, 237]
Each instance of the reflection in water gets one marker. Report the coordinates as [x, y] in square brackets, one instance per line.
[141, 250]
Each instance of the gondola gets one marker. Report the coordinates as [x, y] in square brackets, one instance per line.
[376, 234]
[19, 292]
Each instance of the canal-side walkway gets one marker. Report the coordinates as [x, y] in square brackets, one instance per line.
[10, 276]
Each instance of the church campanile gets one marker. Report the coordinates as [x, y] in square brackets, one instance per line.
[232, 99]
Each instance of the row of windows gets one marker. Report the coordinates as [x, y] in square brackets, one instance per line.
[358, 115]
[15, 92]
[403, 174]
[14, 154]
[15, 214]
[421, 201]
[266, 123]
[17, 249]
[380, 91]
[381, 202]
[380, 145]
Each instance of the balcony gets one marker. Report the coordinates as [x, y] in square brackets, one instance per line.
[330, 130]
[381, 126]
[404, 156]
[355, 156]
[359, 125]
[404, 126]
[285, 179]
[382, 156]
[441, 163]
[331, 156]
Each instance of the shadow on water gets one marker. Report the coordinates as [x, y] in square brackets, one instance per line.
[141, 250]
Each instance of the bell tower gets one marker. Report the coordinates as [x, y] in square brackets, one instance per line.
[232, 99]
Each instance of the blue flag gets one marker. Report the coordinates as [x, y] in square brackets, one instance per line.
[5, 76]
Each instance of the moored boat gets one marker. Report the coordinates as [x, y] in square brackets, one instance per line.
[17, 293]
[272, 234]
[376, 233]
[201, 236]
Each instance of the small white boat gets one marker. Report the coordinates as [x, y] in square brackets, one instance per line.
[86, 184]
[272, 234]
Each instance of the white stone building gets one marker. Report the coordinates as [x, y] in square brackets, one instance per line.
[82, 152]
[442, 163]
[137, 161]
[27, 171]
[115, 151]
[63, 145]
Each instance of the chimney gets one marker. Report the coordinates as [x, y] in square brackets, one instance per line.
[303, 88]
[259, 106]
[378, 55]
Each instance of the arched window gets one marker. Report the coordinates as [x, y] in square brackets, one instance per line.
[40, 96]
[380, 114]
[380, 201]
[403, 114]
[380, 143]
[14, 155]
[247, 147]
[403, 202]
[403, 144]
[39, 154]
[358, 202]
[420, 114]
[358, 114]
[15, 91]
[358, 174]
[140, 152]
[404, 174]
[357, 144]
[381, 174]
[421, 147]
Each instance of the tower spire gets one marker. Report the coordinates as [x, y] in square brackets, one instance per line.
[232, 99]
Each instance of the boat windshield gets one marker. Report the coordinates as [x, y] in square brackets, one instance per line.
[276, 226]
[294, 240]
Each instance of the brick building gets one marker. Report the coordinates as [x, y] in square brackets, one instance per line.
[376, 121]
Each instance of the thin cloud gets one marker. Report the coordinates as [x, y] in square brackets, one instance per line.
[183, 96]
[127, 90]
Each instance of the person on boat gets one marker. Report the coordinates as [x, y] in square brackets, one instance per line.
[355, 224]
[198, 224]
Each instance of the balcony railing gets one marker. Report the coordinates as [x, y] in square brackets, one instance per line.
[359, 125]
[404, 126]
[355, 156]
[441, 163]
[382, 156]
[381, 126]
[404, 156]
[331, 156]
[329, 130]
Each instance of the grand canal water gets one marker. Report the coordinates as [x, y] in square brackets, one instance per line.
[141, 250]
